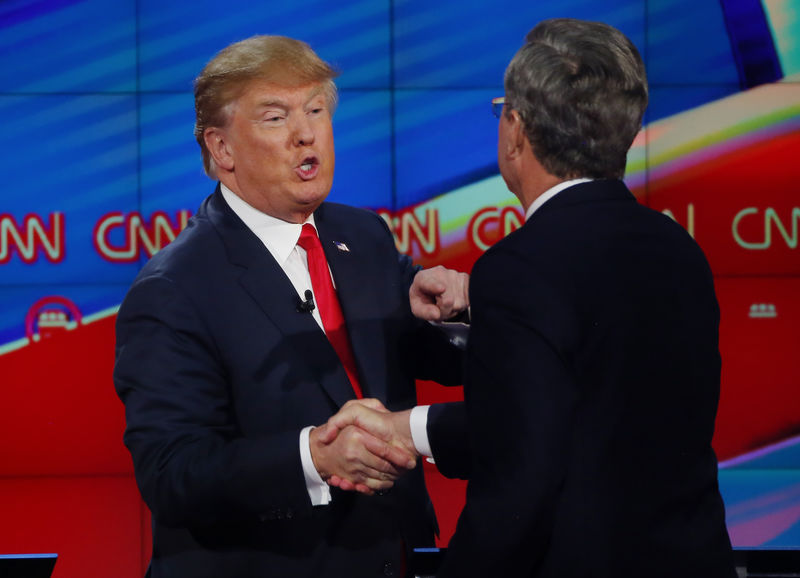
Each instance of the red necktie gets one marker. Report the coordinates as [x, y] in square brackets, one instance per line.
[328, 303]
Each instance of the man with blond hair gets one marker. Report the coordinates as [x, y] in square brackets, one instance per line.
[271, 312]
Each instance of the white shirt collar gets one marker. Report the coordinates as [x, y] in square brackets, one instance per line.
[279, 237]
[550, 193]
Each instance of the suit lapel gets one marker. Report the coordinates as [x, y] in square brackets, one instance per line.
[269, 287]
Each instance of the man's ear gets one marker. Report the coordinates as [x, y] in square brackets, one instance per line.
[218, 147]
[516, 135]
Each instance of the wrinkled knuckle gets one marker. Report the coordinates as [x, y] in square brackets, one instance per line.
[350, 454]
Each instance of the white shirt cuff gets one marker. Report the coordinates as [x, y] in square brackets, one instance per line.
[418, 421]
[318, 490]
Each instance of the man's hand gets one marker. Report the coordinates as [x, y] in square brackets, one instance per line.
[388, 439]
[359, 448]
[438, 294]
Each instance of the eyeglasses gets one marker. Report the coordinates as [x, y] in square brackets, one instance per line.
[497, 106]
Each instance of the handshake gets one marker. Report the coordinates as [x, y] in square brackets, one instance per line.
[364, 447]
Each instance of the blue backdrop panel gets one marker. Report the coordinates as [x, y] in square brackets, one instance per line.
[172, 167]
[688, 43]
[68, 46]
[363, 136]
[445, 138]
[178, 38]
[458, 44]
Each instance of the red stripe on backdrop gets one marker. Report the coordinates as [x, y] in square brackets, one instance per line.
[737, 199]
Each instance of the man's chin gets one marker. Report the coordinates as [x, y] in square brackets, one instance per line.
[313, 195]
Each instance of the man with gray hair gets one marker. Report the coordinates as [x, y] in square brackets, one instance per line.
[593, 366]
[271, 312]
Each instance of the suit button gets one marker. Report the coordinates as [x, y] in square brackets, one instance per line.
[388, 569]
[289, 513]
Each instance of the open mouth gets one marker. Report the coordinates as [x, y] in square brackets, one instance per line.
[308, 167]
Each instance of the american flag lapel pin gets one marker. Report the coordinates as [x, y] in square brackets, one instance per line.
[342, 246]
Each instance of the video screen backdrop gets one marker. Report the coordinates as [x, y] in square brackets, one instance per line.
[101, 170]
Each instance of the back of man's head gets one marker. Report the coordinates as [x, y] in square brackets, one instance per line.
[581, 90]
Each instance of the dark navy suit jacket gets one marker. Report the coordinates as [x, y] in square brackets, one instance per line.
[591, 388]
[219, 372]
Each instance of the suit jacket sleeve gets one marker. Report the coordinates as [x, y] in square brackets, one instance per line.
[190, 463]
[520, 400]
[440, 360]
[448, 436]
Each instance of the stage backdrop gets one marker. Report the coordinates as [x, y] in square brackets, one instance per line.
[100, 171]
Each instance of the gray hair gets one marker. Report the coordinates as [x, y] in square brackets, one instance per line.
[581, 91]
[283, 61]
